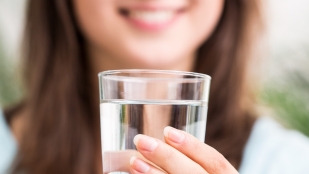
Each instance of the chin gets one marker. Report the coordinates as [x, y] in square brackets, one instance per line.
[154, 55]
[155, 60]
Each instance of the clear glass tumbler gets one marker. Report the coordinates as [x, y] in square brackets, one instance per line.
[145, 102]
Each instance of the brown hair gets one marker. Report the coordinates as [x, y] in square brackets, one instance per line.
[62, 128]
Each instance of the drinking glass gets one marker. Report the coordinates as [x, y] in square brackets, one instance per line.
[145, 102]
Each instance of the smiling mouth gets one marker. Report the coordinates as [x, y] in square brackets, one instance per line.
[151, 19]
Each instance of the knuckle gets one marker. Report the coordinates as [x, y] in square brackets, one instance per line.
[195, 146]
[168, 154]
[189, 142]
[220, 163]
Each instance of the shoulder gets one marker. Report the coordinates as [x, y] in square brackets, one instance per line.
[272, 149]
[7, 145]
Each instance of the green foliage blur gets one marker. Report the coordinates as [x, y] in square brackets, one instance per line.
[288, 94]
[10, 88]
[290, 108]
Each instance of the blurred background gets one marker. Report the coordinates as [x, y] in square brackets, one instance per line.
[285, 82]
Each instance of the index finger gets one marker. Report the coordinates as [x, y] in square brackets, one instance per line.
[166, 157]
[118, 161]
[209, 158]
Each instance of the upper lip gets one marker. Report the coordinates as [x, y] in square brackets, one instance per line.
[153, 5]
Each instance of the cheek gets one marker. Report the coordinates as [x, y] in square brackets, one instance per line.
[204, 17]
[95, 18]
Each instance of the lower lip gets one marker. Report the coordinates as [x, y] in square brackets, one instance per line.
[142, 25]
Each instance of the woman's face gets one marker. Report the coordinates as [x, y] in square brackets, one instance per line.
[147, 33]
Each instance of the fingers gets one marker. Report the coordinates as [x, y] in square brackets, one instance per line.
[118, 160]
[206, 156]
[168, 158]
[138, 166]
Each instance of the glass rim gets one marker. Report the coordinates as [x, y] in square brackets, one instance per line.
[172, 72]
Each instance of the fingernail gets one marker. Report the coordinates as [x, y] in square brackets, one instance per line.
[145, 143]
[132, 159]
[173, 134]
[139, 165]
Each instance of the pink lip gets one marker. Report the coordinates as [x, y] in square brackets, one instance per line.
[145, 26]
[151, 27]
[152, 5]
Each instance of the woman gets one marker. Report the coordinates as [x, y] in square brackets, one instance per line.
[69, 42]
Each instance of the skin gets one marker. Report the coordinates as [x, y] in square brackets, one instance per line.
[180, 153]
[114, 43]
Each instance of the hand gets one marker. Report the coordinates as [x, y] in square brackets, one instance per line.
[181, 154]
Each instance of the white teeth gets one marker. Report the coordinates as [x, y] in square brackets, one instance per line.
[152, 17]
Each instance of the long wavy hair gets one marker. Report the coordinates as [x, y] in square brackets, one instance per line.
[61, 132]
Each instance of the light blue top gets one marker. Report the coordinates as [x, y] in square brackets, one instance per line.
[7, 145]
[271, 149]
